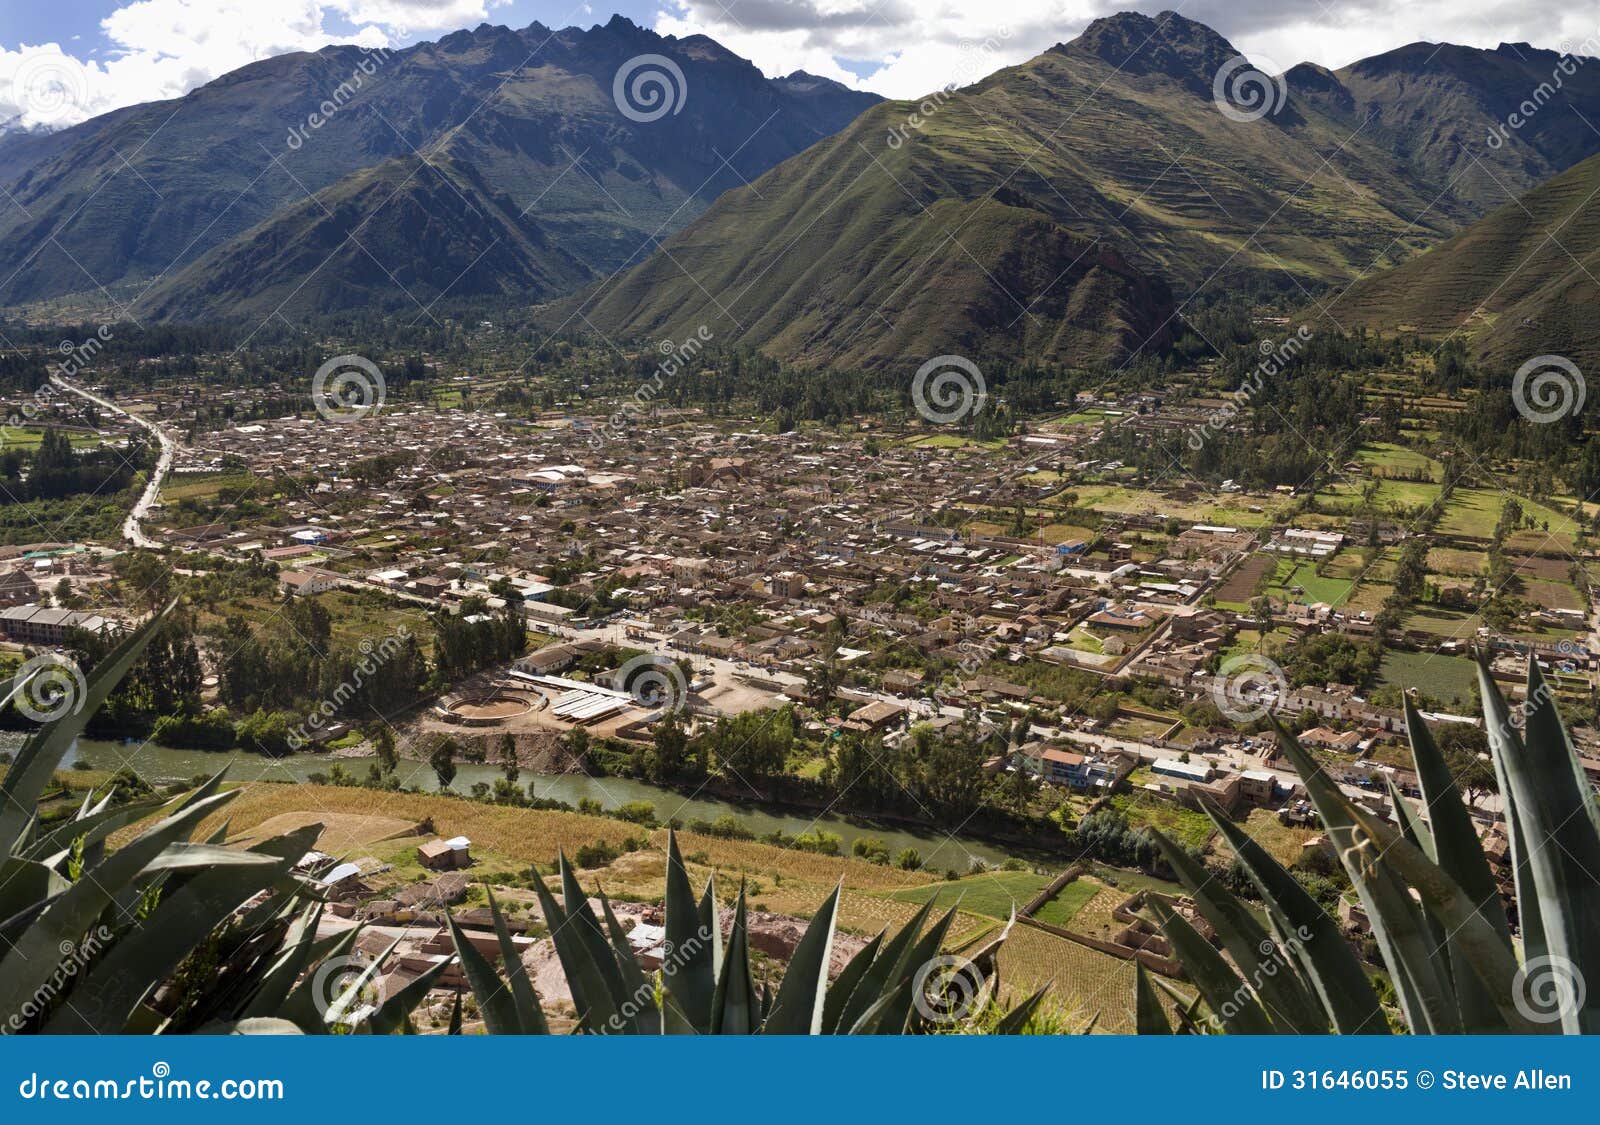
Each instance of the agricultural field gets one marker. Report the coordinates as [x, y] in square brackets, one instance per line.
[1281, 841]
[1188, 827]
[1304, 582]
[1441, 676]
[1084, 983]
[1065, 904]
[1246, 579]
[1233, 509]
[995, 894]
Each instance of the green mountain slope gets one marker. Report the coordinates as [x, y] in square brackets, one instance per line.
[392, 237]
[1445, 110]
[968, 233]
[122, 203]
[1518, 283]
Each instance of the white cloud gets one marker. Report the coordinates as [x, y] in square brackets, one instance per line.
[165, 48]
[905, 48]
[910, 49]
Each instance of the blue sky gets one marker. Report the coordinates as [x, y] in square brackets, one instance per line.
[62, 61]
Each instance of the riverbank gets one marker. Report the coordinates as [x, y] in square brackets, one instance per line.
[159, 764]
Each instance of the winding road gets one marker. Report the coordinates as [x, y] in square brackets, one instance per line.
[131, 530]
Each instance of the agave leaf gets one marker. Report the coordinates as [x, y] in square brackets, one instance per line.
[1455, 842]
[26, 885]
[1556, 806]
[205, 789]
[1478, 1012]
[91, 826]
[530, 1016]
[1505, 745]
[1149, 1018]
[1231, 1001]
[888, 969]
[1416, 961]
[298, 945]
[894, 1016]
[797, 1010]
[641, 989]
[1013, 1022]
[35, 953]
[1305, 929]
[42, 753]
[849, 977]
[591, 994]
[1480, 945]
[300, 1007]
[689, 975]
[394, 1014]
[585, 926]
[104, 1000]
[711, 923]
[1282, 994]
[455, 1017]
[735, 1010]
[344, 1008]
[496, 1004]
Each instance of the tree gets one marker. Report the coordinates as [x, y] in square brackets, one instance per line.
[383, 745]
[443, 761]
[508, 757]
[671, 748]
[1465, 749]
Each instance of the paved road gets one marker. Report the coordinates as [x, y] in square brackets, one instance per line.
[131, 530]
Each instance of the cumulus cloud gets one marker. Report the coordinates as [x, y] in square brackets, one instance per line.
[901, 48]
[165, 48]
[907, 50]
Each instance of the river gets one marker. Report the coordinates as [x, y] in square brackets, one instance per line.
[161, 764]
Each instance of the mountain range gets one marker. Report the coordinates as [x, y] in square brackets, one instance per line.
[493, 159]
[1520, 282]
[1049, 210]
[1064, 210]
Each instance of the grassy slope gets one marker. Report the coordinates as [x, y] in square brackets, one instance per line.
[976, 228]
[1519, 282]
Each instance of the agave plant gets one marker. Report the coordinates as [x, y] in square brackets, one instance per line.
[167, 935]
[162, 934]
[893, 985]
[1428, 891]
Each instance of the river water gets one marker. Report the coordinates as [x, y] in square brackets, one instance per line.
[161, 764]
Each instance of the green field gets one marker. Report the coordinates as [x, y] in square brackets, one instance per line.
[994, 893]
[1063, 907]
[1443, 677]
[1291, 573]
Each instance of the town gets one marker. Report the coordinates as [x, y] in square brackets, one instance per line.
[946, 657]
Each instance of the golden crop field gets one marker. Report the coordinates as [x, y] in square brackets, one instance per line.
[1082, 981]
